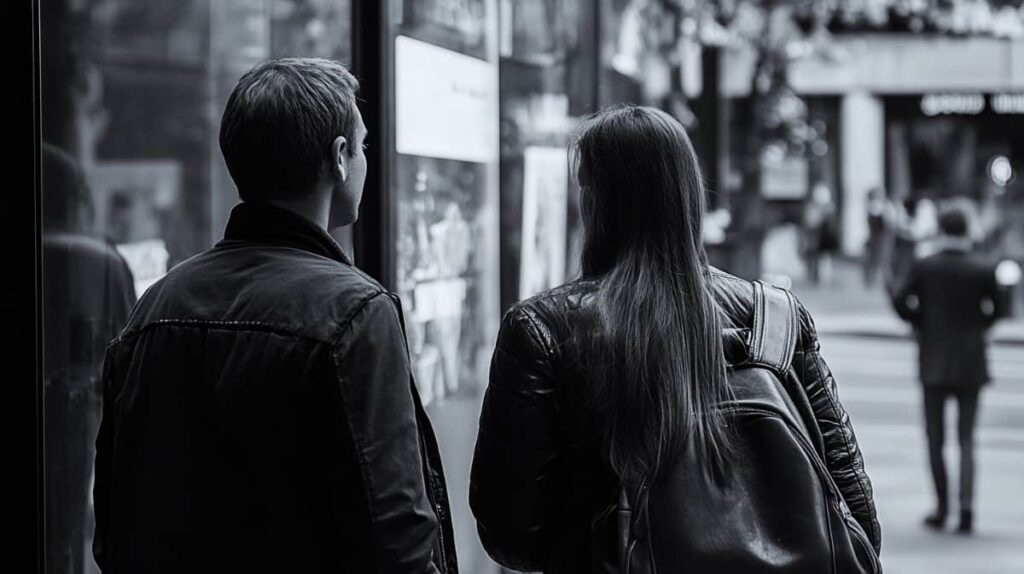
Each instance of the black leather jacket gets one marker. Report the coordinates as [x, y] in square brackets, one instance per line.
[538, 475]
[259, 416]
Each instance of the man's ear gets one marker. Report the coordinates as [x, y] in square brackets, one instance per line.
[339, 155]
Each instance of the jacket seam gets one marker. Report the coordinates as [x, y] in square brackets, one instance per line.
[356, 442]
[346, 323]
[216, 324]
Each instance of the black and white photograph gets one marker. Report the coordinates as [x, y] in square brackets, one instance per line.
[538, 286]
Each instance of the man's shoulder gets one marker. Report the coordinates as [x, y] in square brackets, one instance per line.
[308, 272]
[953, 261]
[309, 296]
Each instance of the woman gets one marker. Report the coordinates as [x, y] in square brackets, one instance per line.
[592, 382]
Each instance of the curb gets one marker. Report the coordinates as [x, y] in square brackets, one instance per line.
[1010, 340]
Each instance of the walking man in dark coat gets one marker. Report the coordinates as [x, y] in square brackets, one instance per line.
[951, 299]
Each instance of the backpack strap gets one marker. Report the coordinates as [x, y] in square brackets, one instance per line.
[776, 328]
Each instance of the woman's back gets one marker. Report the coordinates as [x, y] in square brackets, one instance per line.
[541, 473]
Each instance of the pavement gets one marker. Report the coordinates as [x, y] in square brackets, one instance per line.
[877, 382]
[873, 356]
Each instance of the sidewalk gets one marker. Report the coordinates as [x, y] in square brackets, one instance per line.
[1004, 333]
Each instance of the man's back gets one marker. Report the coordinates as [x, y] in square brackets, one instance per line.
[955, 298]
[953, 289]
[247, 401]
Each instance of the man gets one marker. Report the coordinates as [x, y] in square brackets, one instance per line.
[951, 298]
[259, 413]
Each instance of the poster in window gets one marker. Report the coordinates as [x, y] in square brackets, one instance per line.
[446, 104]
[545, 197]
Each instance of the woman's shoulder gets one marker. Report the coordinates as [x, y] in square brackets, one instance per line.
[735, 298]
[549, 317]
[563, 298]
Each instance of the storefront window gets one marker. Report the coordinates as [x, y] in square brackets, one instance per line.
[445, 189]
[961, 147]
[132, 184]
[548, 82]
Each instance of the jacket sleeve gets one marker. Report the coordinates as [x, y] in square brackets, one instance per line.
[842, 454]
[512, 490]
[999, 297]
[372, 367]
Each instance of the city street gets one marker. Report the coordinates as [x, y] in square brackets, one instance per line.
[874, 360]
[877, 383]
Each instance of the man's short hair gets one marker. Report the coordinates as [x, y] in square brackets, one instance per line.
[953, 222]
[279, 124]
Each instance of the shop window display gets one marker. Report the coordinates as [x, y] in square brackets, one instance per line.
[438, 272]
[548, 83]
[444, 197]
[948, 157]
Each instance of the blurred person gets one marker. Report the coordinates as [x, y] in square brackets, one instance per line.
[619, 378]
[87, 292]
[992, 221]
[952, 299]
[924, 228]
[880, 215]
[914, 232]
[821, 233]
[260, 413]
[903, 245]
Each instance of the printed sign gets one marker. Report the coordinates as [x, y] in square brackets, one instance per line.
[446, 103]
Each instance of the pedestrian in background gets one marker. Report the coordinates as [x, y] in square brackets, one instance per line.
[821, 233]
[880, 215]
[952, 299]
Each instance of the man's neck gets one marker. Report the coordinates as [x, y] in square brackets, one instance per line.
[952, 243]
[311, 208]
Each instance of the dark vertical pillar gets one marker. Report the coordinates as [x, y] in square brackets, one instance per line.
[709, 110]
[373, 234]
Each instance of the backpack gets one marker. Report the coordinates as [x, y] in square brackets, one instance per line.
[778, 512]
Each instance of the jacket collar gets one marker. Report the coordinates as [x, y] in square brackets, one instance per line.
[260, 222]
[947, 244]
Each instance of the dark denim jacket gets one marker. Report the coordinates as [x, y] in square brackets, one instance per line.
[259, 416]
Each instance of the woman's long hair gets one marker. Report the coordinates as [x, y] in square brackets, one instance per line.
[657, 369]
